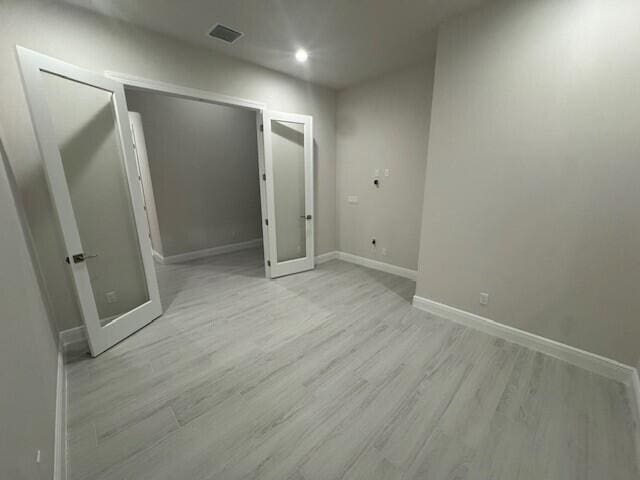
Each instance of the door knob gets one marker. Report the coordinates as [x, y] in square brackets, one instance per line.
[80, 257]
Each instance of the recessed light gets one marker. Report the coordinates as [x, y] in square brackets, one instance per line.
[302, 55]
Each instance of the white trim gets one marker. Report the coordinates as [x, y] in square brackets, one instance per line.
[148, 85]
[60, 445]
[144, 179]
[157, 257]
[376, 265]
[207, 252]
[580, 358]
[262, 175]
[71, 336]
[634, 400]
[326, 257]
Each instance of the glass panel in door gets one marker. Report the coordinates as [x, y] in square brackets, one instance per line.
[289, 189]
[86, 132]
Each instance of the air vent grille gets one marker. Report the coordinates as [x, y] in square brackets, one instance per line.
[225, 34]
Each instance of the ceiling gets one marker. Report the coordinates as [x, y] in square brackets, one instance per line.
[348, 40]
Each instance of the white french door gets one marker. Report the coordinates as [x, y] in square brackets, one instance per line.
[288, 154]
[82, 126]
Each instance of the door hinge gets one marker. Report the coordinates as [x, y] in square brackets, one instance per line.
[261, 127]
[266, 221]
[268, 263]
[264, 177]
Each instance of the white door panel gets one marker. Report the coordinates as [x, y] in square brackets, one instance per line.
[288, 152]
[82, 126]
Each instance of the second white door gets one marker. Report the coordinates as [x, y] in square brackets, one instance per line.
[288, 154]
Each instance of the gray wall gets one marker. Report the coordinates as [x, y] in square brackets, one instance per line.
[99, 44]
[384, 124]
[28, 353]
[533, 176]
[203, 160]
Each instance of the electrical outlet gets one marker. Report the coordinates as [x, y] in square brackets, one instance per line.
[383, 252]
[484, 299]
[112, 297]
[387, 172]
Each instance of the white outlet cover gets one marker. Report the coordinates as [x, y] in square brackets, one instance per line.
[387, 172]
[484, 299]
[384, 252]
[352, 199]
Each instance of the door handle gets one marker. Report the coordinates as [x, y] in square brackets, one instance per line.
[306, 217]
[80, 257]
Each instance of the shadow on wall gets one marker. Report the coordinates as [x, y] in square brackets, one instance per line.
[4, 158]
[291, 134]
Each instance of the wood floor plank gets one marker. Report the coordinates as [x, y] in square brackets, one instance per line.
[331, 374]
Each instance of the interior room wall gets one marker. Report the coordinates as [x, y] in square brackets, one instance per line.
[28, 352]
[203, 160]
[98, 44]
[384, 124]
[532, 189]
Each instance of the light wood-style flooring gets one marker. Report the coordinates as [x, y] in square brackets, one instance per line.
[331, 374]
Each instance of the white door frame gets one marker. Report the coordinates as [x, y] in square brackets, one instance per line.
[31, 65]
[146, 85]
[307, 262]
[144, 175]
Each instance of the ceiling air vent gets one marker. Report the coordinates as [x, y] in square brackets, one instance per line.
[225, 34]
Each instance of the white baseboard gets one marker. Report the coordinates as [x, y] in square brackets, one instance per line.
[580, 358]
[72, 335]
[207, 252]
[376, 265]
[634, 399]
[157, 257]
[326, 257]
[60, 446]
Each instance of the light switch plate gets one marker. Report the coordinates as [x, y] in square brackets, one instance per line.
[352, 199]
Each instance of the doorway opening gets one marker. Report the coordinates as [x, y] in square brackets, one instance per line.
[199, 173]
[83, 130]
